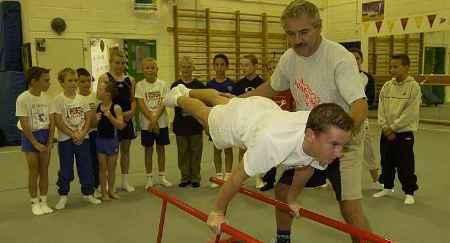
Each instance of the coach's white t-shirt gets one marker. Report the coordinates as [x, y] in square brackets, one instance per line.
[153, 94]
[329, 75]
[36, 108]
[73, 111]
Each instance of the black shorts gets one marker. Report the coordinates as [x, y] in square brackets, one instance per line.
[149, 138]
[332, 173]
[127, 132]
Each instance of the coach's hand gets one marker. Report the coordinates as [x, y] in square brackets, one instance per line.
[215, 221]
[295, 209]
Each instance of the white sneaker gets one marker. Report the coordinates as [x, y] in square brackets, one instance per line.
[127, 187]
[149, 182]
[164, 181]
[409, 199]
[98, 193]
[92, 199]
[377, 186]
[324, 185]
[36, 209]
[259, 182]
[45, 208]
[183, 89]
[171, 99]
[383, 193]
[61, 203]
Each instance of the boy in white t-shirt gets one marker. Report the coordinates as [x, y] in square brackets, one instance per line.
[154, 123]
[73, 122]
[37, 126]
[84, 83]
[307, 139]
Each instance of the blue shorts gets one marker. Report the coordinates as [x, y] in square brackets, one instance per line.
[108, 146]
[41, 136]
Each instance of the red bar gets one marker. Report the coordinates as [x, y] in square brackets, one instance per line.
[350, 229]
[236, 234]
[162, 218]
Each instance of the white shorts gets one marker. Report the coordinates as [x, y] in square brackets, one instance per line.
[230, 123]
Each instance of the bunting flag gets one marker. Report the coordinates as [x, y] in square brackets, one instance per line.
[442, 20]
[365, 27]
[419, 20]
[431, 19]
[378, 24]
[390, 25]
[404, 22]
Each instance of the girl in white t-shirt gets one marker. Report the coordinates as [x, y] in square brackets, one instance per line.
[37, 126]
[73, 122]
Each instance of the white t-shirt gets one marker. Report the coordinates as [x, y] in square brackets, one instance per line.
[279, 145]
[329, 75]
[153, 94]
[92, 102]
[364, 79]
[36, 108]
[73, 111]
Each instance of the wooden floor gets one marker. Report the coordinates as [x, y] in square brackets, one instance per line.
[135, 217]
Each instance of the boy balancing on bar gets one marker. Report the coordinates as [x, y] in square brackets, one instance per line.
[303, 140]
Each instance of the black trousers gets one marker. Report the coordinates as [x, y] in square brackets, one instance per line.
[398, 156]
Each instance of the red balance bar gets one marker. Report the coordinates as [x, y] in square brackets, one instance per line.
[363, 235]
[229, 230]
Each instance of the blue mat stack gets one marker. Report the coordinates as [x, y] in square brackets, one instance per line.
[12, 80]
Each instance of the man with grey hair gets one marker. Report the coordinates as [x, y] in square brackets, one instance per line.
[317, 70]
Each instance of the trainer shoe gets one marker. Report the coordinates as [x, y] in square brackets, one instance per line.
[164, 181]
[92, 199]
[61, 203]
[36, 208]
[149, 182]
[171, 99]
[45, 208]
[377, 186]
[383, 193]
[127, 187]
[409, 199]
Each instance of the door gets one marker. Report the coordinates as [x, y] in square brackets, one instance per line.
[57, 54]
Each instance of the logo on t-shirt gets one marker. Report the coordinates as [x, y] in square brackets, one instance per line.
[310, 99]
[153, 100]
[75, 117]
[39, 116]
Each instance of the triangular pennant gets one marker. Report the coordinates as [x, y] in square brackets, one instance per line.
[365, 26]
[431, 19]
[379, 24]
[404, 22]
[390, 25]
[419, 20]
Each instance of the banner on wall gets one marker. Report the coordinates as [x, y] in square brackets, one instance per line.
[404, 22]
[372, 10]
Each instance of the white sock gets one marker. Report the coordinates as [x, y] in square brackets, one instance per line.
[149, 175]
[43, 198]
[124, 178]
[34, 200]
[162, 174]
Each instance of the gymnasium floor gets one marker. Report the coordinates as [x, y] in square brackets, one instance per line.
[134, 218]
